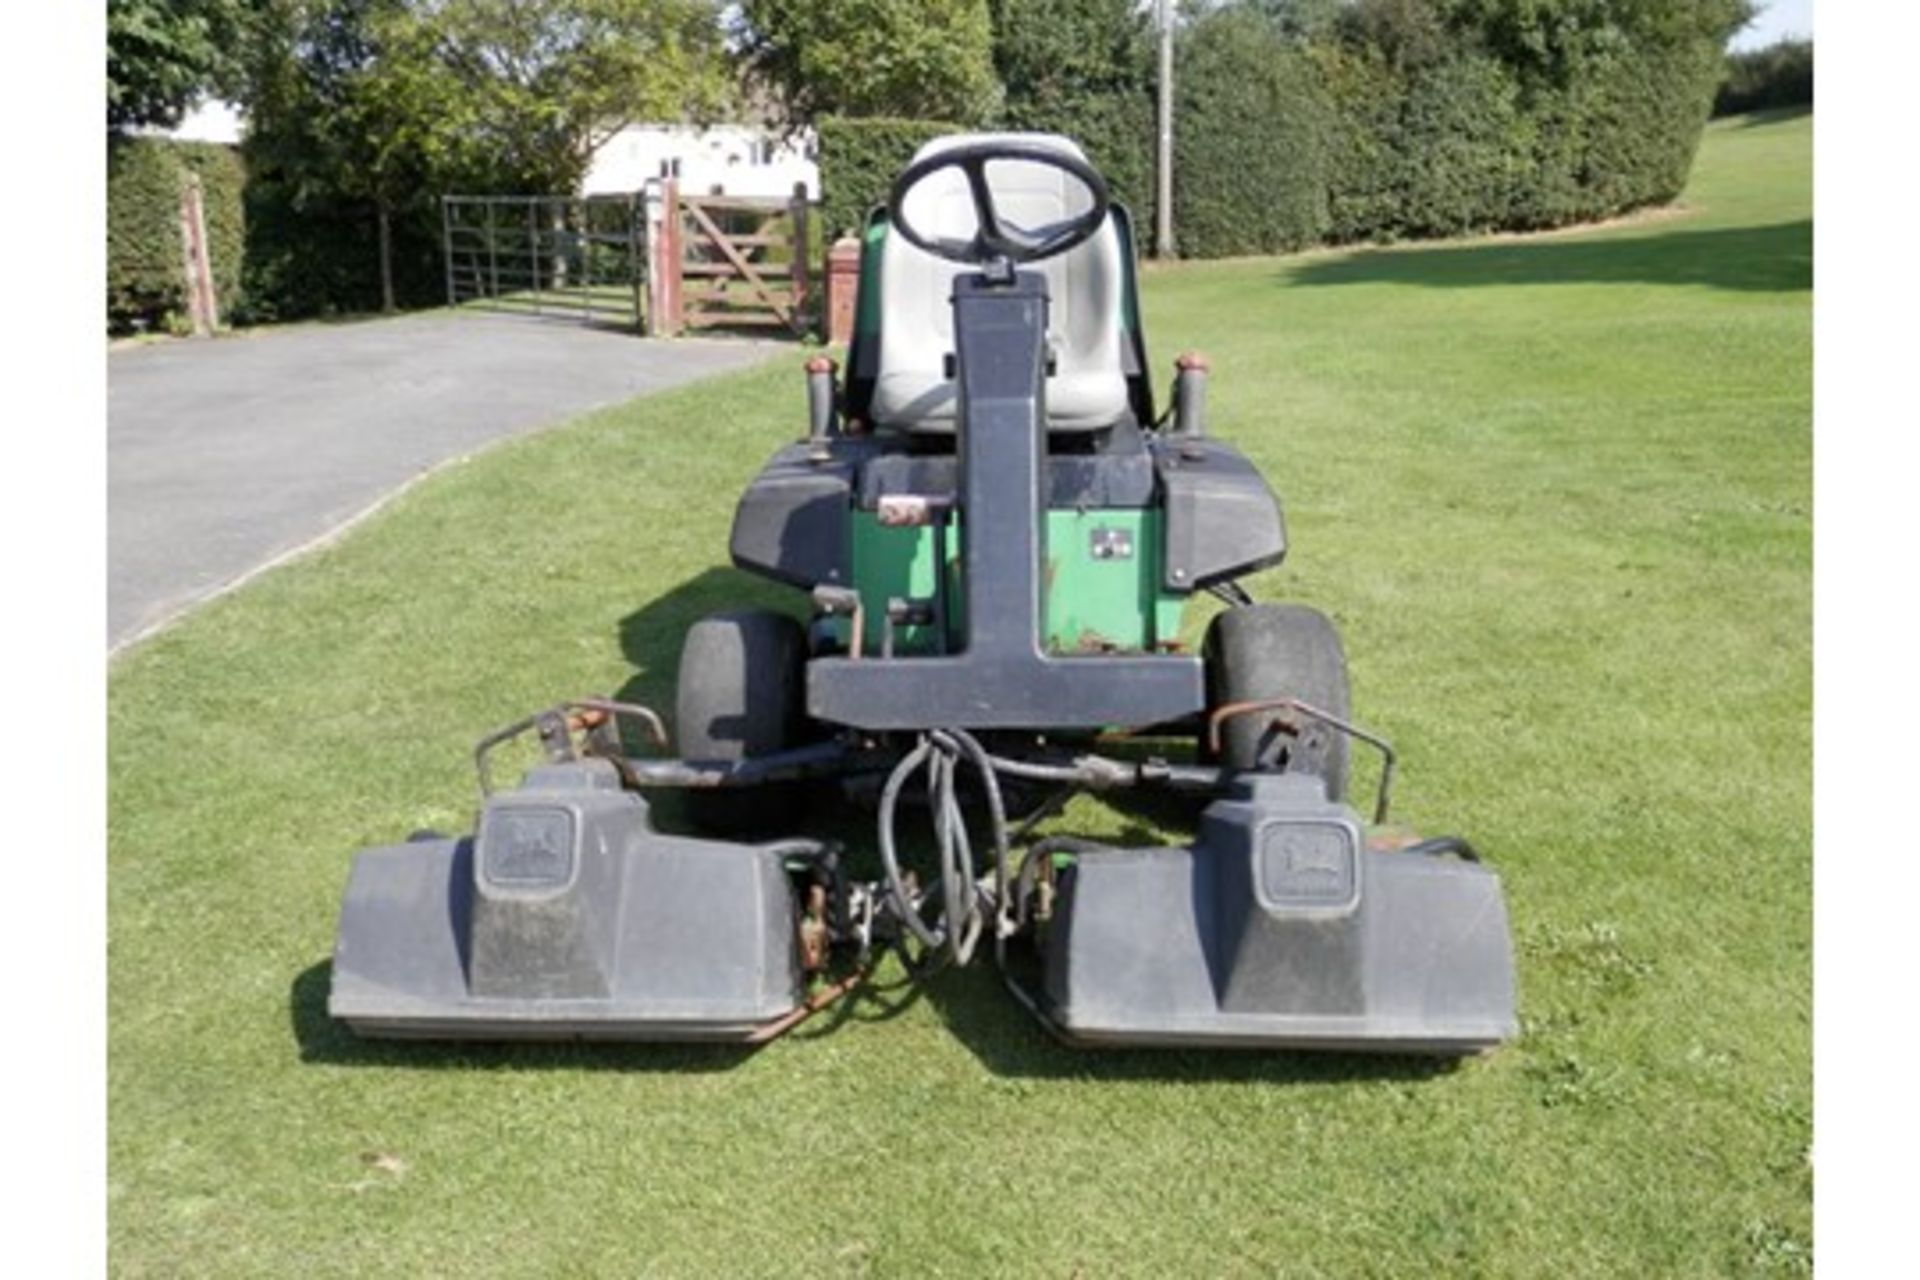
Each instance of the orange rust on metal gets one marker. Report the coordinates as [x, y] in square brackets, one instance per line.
[815, 1003]
[1392, 839]
[1234, 709]
[1091, 641]
[813, 930]
[593, 712]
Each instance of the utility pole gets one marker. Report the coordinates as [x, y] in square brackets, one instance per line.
[1163, 222]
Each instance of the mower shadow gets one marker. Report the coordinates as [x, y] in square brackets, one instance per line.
[1010, 1043]
[650, 639]
[650, 636]
[1775, 115]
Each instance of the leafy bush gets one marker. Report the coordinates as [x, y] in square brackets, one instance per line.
[1454, 154]
[311, 253]
[1780, 75]
[1076, 67]
[146, 263]
[1307, 121]
[1083, 68]
[859, 159]
[1250, 141]
[872, 58]
[1360, 158]
[1434, 117]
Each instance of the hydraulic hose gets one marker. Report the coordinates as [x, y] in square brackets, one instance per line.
[956, 932]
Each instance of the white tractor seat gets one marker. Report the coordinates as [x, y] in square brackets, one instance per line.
[1088, 389]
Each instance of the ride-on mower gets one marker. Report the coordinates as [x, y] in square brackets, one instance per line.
[998, 537]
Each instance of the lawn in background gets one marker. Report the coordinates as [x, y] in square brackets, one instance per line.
[1556, 491]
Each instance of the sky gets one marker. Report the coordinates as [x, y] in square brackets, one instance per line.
[1778, 20]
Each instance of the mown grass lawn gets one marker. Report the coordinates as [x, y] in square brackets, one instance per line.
[1557, 493]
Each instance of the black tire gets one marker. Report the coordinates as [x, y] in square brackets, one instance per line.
[1260, 651]
[742, 693]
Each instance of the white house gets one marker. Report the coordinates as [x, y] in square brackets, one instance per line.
[209, 121]
[724, 159]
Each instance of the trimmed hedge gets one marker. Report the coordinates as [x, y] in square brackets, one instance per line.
[1429, 118]
[1366, 120]
[859, 159]
[276, 254]
[1780, 75]
[1249, 142]
[315, 254]
[1083, 68]
[146, 262]
[1076, 67]
[1115, 132]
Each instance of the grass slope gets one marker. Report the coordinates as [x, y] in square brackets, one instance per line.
[1557, 493]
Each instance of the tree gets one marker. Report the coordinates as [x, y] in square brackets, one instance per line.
[916, 59]
[546, 82]
[330, 119]
[404, 122]
[1304, 20]
[1780, 75]
[165, 55]
[384, 105]
[1052, 50]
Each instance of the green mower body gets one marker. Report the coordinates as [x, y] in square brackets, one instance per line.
[1102, 592]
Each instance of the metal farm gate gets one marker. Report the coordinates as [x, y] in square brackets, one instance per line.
[579, 257]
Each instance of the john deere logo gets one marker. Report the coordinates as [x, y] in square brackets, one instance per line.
[1307, 864]
[526, 848]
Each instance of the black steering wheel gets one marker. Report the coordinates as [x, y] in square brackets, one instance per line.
[997, 239]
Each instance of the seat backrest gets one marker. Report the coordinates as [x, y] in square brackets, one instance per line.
[1088, 389]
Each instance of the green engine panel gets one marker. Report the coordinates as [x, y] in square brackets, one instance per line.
[1102, 581]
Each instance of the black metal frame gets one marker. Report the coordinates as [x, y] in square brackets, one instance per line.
[581, 257]
[1002, 678]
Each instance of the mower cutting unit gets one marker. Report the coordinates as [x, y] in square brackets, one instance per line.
[998, 538]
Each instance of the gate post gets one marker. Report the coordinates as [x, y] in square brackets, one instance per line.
[446, 244]
[801, 302]
[665, 315]
[583, 234]
[843, 284]
[493, 256]
[203, 307]
[533, 246]
[636, 261]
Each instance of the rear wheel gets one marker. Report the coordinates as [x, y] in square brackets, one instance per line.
[742, 694]
[1261, 651]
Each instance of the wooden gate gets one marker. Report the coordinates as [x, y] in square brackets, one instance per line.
[726, 262]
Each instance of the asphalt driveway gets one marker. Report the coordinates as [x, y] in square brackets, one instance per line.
[224, 456]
